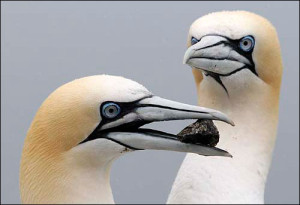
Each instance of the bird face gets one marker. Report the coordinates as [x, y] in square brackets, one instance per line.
[94, 109]
[240, 43]
[122, 116]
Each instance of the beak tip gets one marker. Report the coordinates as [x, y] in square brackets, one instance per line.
[184, 61]
[222, 117]
[229, 155]
[190, 51]
[229, 121]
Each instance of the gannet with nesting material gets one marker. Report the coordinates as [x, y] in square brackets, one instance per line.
[83, 126]
[236, 61]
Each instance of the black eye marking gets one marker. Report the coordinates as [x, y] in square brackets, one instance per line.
[243, 46]
[111, 111]
[125, 108]
[194, 40]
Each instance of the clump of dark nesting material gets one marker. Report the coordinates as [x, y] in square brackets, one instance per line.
[200, 132]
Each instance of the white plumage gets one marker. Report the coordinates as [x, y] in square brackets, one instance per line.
[245, 85]
[84, 125]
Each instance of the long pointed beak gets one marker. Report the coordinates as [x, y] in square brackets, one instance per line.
[145, 139]
[160, 109]
[125, 130]
[216, 54]
[154, 109]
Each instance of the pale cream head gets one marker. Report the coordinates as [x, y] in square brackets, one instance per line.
[72, 111]
[235, 25]
[235, 56]
[86, 124]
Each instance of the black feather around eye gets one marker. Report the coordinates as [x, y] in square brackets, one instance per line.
[194, 40]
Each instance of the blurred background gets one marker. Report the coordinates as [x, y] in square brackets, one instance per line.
[46, 44]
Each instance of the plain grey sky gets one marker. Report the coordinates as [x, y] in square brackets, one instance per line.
[46, 44]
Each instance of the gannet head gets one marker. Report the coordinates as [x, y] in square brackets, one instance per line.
[238, 45]
[91, 121]
[104, 108]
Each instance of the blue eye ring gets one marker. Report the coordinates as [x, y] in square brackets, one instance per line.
[110, 110]
[194, 40]
[247, 43]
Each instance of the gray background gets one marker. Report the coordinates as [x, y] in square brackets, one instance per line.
[46, 44]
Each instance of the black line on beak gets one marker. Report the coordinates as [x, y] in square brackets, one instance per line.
[213, 45]
[233, 43]
[126, 107]
[169, 108]
[125, 145]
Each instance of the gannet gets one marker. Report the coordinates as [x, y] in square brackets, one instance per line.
[84, 125]
[236, 62]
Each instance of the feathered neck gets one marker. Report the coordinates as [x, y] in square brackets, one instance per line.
[79, 175]
[253, 106]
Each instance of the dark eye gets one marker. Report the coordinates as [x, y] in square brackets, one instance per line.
[194, 40]
[111, 110]
[247, 43]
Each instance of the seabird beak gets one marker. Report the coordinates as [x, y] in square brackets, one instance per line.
[126, 131]
[219, 55]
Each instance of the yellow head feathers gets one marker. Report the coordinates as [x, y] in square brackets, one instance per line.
[237, 24]
[72, 111]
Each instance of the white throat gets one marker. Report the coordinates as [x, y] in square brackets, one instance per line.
[89, 172]
[80, 175]
[253, 106]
